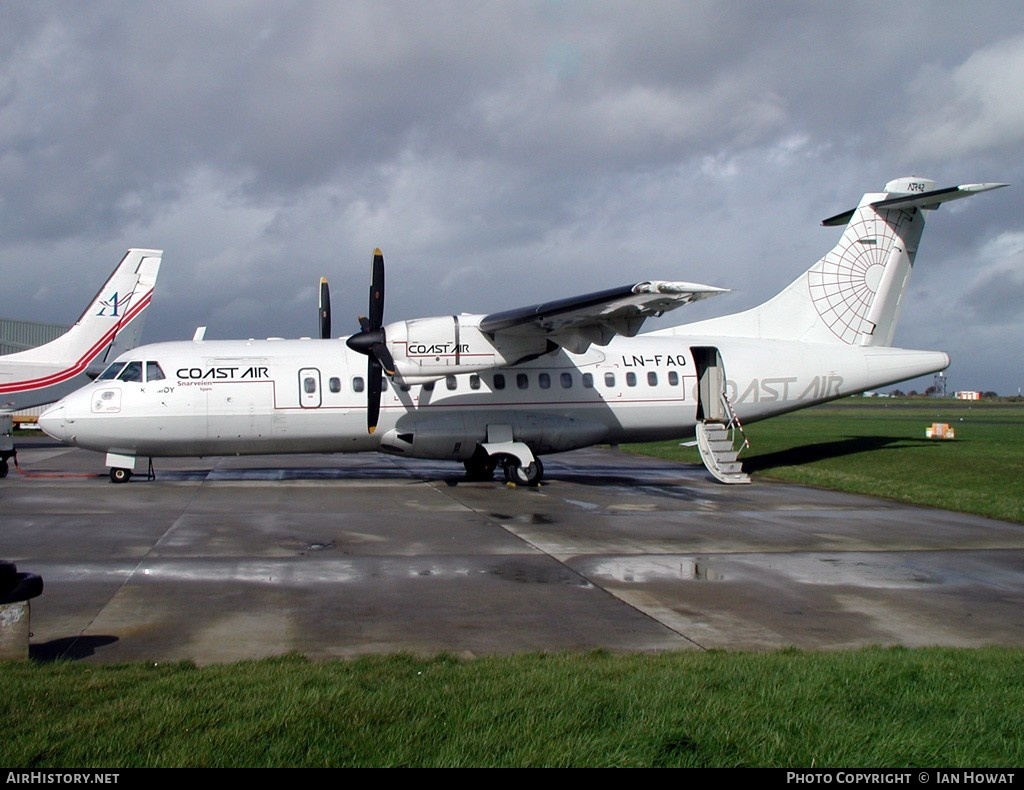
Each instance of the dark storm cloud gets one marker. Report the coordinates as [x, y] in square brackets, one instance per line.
[501, 153]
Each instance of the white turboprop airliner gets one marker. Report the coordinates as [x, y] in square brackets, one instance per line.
[505, 388]
[110, 325]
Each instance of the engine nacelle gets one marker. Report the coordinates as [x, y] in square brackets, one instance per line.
[427, 349]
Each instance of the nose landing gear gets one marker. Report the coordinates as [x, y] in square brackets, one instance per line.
[119, 475]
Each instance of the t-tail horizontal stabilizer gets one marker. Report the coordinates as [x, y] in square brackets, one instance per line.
[914, 197]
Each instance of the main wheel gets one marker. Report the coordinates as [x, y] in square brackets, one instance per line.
[529, 475]
[119, 475]
[3, 468]
[480, 467]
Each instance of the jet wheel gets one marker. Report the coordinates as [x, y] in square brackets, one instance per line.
[119, 475]
[529, 475]
[4, 468]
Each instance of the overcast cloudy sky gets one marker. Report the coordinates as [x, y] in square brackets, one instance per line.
[504, 153]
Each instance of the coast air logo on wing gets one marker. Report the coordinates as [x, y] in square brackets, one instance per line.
[115, 304]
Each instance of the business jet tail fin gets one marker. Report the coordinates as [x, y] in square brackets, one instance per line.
[110, 325]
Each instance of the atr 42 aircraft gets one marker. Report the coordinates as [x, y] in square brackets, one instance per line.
[506, 388]
[110, 325]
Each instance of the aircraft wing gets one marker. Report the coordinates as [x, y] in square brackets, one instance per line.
[578, 321]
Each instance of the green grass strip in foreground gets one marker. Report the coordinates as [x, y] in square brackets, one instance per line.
[878, 447]
[865, 708]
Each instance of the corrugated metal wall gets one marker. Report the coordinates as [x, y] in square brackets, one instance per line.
[20, 335]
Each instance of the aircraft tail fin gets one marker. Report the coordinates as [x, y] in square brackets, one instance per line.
[110, 325]
[854, 293]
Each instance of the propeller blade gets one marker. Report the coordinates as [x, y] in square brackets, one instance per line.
[325, 310]
[380, 350]
[372, 341]
[373, 374]
[376, 316]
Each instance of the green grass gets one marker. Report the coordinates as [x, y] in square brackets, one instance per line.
[864, 708]
[872, 708]
[878, 447]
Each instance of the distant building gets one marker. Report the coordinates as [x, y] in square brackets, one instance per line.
[18, 336]
[968, 395]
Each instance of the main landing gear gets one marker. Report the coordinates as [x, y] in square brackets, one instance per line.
[529, 475]
[481, 468]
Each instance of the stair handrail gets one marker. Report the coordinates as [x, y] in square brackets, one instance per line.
[734, 423]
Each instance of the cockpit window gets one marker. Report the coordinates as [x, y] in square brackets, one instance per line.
[154, 372]
[111, 372]
[132, 372]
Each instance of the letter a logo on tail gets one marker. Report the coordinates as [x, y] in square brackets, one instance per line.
[115, 304]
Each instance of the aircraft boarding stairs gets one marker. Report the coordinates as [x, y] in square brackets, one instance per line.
[716, 441]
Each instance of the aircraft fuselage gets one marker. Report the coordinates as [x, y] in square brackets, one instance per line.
[280, 396]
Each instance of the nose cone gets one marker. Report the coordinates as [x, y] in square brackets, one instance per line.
[53, 423]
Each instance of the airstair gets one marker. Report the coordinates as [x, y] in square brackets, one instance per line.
[717, 440]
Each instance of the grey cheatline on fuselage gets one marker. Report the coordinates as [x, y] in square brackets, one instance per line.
[506, 388]
[110, 325]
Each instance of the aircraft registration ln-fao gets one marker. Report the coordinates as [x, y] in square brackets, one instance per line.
[504, 389]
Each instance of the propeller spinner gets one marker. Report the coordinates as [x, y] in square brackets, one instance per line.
[371, 340]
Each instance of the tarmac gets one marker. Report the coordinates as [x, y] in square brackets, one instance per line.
[335, 556]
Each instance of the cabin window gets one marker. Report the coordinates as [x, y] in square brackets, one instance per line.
[309, 385]
[499, 381]
[154, 372]
[522, 381]
[450, 382]
[358, 384]
[588, 380]
[544, 380]
[609, 379]
[566, 379]
[334, 384]
[474, 382]
[631, 379]
[673, 378]
[131, 372]
[652, 378]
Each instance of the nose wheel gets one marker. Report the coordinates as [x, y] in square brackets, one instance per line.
[119, 475]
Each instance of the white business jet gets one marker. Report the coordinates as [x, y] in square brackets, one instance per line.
[506, 388]
[110, 325]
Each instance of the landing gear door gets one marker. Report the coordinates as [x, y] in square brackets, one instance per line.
[309, 388]
[710, 384]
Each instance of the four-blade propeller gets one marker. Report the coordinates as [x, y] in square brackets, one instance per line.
[372, 341]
